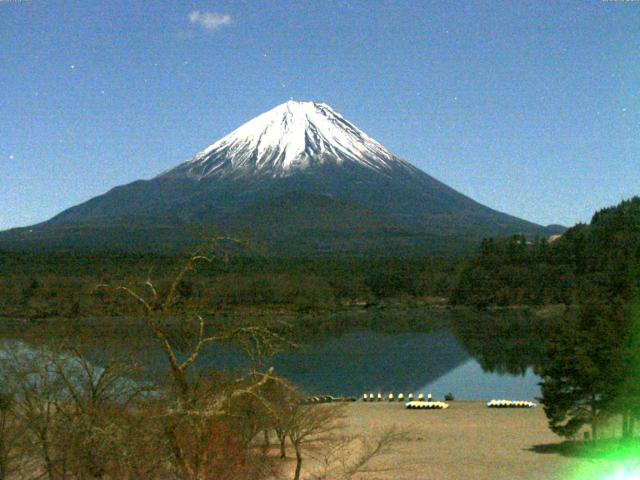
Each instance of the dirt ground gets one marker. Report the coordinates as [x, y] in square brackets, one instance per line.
[465, 441]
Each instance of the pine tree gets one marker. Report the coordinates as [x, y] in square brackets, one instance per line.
[627, 400]
[585, 368]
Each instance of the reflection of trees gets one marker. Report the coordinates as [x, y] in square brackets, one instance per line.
[368, 361]
[505, 342]
[346, 352]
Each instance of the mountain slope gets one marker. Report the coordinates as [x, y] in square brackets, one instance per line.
[298, 175]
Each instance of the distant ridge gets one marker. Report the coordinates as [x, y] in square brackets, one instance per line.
[299, 179]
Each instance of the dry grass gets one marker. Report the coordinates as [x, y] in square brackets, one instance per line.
[466, 441]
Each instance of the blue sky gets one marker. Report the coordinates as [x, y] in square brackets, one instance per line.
[529, 107]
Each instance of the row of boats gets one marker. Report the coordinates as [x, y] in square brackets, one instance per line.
[370, 397]
[492, 404]
[510, 404]
[419, 405]
[426, 402]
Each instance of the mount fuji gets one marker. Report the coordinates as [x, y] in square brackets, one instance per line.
[299, 179]
[293, 137]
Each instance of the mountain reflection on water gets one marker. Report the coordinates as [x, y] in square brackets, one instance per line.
[472, 367]
[371, 362]
[475, 358]
[477, 355]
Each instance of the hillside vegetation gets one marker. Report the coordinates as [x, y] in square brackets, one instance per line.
[513, 271]
[43, 285]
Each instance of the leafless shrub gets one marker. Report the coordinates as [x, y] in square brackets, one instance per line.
[87, 418]
[349, 455]
[11, 434]
[37, 392]
[96, 407]
[76, 418]
[309, 426]
[198, 410]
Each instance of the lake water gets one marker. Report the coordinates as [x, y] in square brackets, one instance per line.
[370, 362]
[467, 362]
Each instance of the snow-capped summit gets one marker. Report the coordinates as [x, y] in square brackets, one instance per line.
[299, 180]
[291, 137]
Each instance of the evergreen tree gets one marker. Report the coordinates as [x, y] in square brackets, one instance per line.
[585, 368]
[627, 402]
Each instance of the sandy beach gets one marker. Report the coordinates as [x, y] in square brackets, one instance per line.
[466, 441]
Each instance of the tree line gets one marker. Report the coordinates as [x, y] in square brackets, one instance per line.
[48, 285]
[517, 271]
[591, 362]
[592, 372]
[65, 414]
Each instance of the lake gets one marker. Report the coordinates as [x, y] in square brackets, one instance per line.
[372, 362]
[480, 357]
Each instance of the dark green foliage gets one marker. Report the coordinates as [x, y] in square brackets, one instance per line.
[584, 368]
[592, 368]
[512, 271]
[628, 392]
[48, 284]
[391, 281]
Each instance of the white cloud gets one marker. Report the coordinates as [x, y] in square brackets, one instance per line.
[209, 20]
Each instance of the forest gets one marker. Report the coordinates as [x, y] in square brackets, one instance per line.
[502, 272]
[50, 285]
[515, 271]
[588, 365]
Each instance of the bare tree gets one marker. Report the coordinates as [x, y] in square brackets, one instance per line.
[96, 409]
[308, 426]
[88, 419]
[197, 406]
[77, 417]
[40, 392]
[349, 455]
[11, 433]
